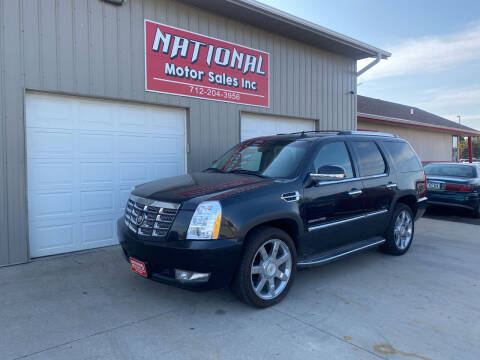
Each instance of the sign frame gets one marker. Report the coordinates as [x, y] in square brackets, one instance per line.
[205, 86]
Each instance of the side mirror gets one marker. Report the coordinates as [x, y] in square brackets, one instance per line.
[329, 173]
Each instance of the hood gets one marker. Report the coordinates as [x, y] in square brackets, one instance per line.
[182, 188]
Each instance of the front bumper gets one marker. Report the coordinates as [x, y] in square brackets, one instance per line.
[217, 257]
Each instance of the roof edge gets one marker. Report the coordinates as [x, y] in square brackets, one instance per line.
[310, 26]
[417, 124]
[271, 19]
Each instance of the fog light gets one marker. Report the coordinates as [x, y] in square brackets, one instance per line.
[190, 276]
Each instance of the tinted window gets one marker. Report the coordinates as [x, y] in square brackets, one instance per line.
[370, 160]
[335, 153]
[272, 158]
[464, 171]
[403, 156]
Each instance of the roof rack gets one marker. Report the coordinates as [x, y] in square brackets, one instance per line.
[348, 132]
[368, 133]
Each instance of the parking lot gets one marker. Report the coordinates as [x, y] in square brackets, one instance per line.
[452, 214]
[89, 305]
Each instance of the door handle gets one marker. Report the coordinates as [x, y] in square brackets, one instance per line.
[391, 186]
[354, 192]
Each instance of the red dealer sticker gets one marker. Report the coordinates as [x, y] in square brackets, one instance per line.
[185, 63]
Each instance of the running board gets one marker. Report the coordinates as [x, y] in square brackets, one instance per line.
[340, 252]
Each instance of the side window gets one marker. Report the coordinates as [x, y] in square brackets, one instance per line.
[370, 160]
[335, 153]
[403, 156]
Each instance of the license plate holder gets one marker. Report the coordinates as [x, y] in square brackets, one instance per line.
[434, 186]
[138, 267]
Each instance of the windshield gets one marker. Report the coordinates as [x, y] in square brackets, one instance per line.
[265, 157]
[450, 170]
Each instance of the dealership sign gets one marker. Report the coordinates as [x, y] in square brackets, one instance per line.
[185, 63]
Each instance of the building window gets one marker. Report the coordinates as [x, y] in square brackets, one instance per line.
[455, 148]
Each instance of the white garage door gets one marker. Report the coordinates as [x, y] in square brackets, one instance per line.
[83, 158]
[254, 125]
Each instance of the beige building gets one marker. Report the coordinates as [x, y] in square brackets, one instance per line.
[433, 137]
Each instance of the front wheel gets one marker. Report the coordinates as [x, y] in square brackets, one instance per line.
[400, 232]
[267, 268]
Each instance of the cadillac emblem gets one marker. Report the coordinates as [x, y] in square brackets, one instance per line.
[139, 220]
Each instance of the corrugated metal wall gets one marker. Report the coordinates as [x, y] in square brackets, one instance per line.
[91, 48]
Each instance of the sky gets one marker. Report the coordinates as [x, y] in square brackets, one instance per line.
[435, 46]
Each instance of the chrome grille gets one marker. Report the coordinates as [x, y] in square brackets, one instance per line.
[149, 217]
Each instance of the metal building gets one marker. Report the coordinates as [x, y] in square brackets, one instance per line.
[87, 110]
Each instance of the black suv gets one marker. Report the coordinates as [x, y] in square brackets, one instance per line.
[274, 204]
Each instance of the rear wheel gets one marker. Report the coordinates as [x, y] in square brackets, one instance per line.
[476, 212]
[267, 268]
[400, 232]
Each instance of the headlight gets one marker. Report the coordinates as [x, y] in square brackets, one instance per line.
[205, 223]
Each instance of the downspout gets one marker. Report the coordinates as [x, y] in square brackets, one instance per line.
[372, 64]
[365, 68]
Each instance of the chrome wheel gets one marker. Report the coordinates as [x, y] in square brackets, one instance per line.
[403, 229]
[271, 269]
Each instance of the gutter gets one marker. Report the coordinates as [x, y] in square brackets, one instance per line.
[412, 123]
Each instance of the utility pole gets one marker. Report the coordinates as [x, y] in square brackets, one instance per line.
[458, 116]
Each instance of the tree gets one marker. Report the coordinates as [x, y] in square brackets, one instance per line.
[463, 147]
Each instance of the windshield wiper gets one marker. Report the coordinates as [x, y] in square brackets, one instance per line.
[249, 172]
[214, 169]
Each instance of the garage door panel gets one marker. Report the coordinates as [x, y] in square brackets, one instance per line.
[96, 202]
[122, 197]
[95, 173]
[95, 144]
[163, 170]
[97, 232]
[165, 146]
[132, 145]
[132, 120]
[133, 173]
[51, 143]
[45, 175]
[50, 239]
[169, 121]
[95, 116]
[289, 126]
[57, 203]
[84, 157]
[256, 125]
[42, 115]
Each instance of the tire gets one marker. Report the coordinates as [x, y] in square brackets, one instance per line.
[476, 212]
[400, 243]
[257, 265]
